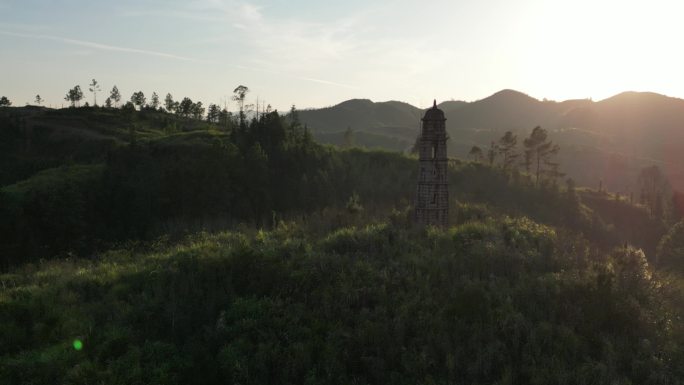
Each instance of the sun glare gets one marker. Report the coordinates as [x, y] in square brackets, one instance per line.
[597, 49]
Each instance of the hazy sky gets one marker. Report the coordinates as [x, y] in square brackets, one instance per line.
[318, 53]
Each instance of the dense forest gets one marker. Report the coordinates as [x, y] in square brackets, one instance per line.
[156, 243]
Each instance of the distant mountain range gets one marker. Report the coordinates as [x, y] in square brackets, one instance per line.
[609, 140]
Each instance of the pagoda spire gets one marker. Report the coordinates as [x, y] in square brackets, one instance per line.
[432, 192]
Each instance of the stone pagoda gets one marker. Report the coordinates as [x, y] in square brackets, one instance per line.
[432, 195]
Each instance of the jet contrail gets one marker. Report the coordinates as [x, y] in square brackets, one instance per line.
[99, 46]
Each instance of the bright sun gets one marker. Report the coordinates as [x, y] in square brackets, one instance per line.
[596, 49]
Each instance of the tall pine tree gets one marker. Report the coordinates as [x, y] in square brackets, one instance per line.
[539, 153]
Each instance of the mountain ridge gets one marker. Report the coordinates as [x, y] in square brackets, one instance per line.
[504, 93]
[644, 125]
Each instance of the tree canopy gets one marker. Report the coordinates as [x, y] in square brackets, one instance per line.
[74, 96]
[138, 99]
[94, 88]
[539, 153]
[115, 96]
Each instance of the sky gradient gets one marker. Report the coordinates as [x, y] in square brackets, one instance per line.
[317, 53]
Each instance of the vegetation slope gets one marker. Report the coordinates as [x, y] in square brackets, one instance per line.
[254, 255]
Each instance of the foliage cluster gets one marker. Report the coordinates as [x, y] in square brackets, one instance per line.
[670, 253]
[538, 151]
[501, 300]
[167, 182]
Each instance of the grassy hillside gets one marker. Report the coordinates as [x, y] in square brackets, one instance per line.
[498, 300]
[34, 139]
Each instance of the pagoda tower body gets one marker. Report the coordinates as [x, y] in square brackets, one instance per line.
[432, 195]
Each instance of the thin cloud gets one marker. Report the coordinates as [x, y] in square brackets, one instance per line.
[99, 46]
[268, 42]
[308, 79]
[312, 51]
[171, 13]
[27, 27]
[329, 83]
[205, 10]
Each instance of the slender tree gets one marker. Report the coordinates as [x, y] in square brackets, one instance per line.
[169, 104]
[293, 116]
[539, 153]
[154, 101]
[213, 113]
[74, 96]
[94, 88]
[507, 150]
[476, 154]
[185, 107]
[197, 110]
[224, 118]
[654, 189]
[38, 100]
[492, 152]
[4, 102]
[115, 96]
[239, 94]
[138, 99]
[108, 102]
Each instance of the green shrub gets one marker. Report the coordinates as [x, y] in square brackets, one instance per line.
[372, 239]
[670, 252]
